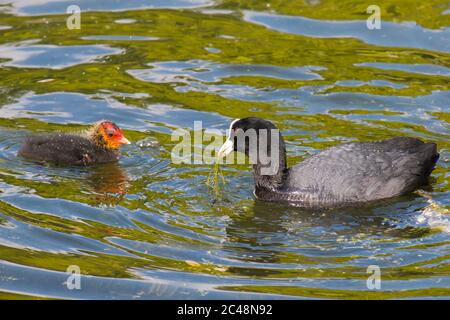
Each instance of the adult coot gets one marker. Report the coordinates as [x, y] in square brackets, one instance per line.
[346, 174]
[100, 144]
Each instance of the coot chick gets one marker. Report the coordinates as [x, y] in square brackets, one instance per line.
[347, 174]
[100, 144]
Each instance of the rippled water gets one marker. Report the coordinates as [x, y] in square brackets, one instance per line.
[148, 228]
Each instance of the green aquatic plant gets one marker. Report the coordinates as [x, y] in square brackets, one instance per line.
[216, 180]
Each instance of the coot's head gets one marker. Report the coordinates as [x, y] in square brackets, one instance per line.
[241, 133]
[108, 135]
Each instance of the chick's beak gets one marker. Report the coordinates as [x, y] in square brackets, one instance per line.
[225, 149]
[124, 140]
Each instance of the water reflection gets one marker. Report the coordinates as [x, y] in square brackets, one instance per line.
[61, 107]
[119, 38]
[30, 55]
[147, 228]
[39, 7]
[295, 237]
[109, 181]
[206, 71]
[430, 69]
[406, 35]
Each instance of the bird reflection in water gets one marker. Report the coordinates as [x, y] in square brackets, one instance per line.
[273, 227]
[109, 182]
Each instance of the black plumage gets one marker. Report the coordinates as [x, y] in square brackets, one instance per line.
[346, 174]
[98, 145]
[64, 149]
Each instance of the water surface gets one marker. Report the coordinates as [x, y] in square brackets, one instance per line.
[148, 228]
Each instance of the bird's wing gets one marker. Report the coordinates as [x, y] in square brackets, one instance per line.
[58, 148]
[363, 171]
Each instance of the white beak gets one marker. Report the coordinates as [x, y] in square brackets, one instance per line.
[226, 149]
[124, 140]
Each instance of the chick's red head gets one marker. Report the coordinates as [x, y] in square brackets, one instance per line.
[110, 135]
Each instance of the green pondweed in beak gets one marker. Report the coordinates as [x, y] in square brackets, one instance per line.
[214, 181]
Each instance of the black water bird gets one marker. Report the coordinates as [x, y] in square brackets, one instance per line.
[100, 144]
[347, 174]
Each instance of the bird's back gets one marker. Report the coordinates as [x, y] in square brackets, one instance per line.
[65, 149]
[360, 172]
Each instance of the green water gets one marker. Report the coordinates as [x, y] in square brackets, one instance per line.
[148, 228]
